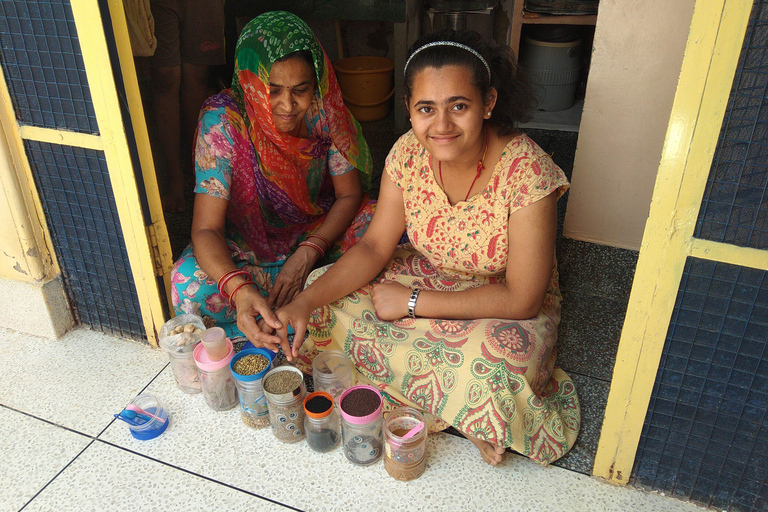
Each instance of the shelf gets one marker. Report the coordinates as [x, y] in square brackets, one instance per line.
[531, 18]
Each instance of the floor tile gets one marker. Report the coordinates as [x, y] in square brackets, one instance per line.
[77, 382]
[589, 333]
[32, 452]
[218, 446]
[594, 269]
[593, 395]
[106, 478]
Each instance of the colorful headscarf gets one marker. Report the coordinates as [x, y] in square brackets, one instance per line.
[291, 185]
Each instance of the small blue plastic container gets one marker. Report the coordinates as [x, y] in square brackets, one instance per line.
[153, 427]
[253, 403]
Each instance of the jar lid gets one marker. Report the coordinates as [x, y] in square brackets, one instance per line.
[252, 351]
[204, 362]
[360, 420]
[327, 408]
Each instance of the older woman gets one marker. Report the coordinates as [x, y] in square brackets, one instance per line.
[282, 173]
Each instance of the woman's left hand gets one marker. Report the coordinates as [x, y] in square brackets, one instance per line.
[390, 299]
[290, 281]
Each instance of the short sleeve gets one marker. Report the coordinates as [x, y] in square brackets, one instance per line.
[337, 164]
[531, 176]
[213, 154]
[400, 158]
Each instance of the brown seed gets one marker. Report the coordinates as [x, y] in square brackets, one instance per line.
[250, 364]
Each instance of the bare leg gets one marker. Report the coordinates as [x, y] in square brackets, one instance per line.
[194, 91]
[165, 92]
[491, 453]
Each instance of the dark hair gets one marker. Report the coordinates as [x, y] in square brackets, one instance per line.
[515, 99]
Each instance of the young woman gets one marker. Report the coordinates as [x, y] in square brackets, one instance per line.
[282, 173]
[462, 322]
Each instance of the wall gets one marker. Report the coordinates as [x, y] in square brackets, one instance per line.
[636, 59]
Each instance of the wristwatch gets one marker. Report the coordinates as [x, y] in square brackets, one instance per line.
[412, 303]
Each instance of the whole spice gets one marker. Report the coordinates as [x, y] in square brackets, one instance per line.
[319, 404]
[360, 402]
[282, 382]
[250, 364]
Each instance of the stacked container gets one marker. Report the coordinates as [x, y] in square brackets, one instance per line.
[216, 379]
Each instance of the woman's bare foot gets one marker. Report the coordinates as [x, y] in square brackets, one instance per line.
[491, 453]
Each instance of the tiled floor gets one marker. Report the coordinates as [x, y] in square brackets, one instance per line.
[61, 449]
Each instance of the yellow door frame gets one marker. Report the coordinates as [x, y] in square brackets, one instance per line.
[146, 240]
[706, 77]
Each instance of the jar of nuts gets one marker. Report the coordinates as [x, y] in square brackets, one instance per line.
[178, 337]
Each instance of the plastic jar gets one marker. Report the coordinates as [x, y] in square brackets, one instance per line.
[405, 444]
[332, 372]
[215, 342]
[154, 426]
[253, 403]
[179, 347]
[285, 392]
[216, 379]
[361, 424]
[321, 424]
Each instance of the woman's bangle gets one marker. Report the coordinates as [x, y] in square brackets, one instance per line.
[223, 280]
[324, 240]
[307, 243]
[412, 303]
[232, 295]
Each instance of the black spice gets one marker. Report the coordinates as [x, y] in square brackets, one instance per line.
[323, 440]
[318, 404]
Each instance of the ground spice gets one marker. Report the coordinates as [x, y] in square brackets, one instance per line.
[318, 404]
[360, 402]
[250, 364]
[282, 382]
[400, 432]
[323, 440]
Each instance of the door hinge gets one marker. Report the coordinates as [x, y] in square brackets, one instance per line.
[161, 257]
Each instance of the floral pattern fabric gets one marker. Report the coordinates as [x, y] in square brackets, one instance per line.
[494, 379]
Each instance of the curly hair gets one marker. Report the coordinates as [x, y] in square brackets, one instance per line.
[515, 99]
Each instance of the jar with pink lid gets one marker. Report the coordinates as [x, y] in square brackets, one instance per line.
[360, 408]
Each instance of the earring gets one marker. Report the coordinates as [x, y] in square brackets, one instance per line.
[489, 114]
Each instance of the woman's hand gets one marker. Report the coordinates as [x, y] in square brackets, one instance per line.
[290, 281]
[390, 299]
[296, 314]
[250, 304]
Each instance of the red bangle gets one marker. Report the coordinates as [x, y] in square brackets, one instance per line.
[324, 240]
[223, 280]
[232, 295]
[307, 243]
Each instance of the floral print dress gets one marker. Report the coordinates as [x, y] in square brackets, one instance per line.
[493, 379]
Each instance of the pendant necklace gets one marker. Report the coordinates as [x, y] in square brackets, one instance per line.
[480, 167]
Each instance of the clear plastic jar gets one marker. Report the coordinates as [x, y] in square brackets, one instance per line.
[216, 381]
[405, 444]
[321, 424]
[361, 424]
[215, 342]
[285, 392]
[178, 338]
[253, 404]
[333, 373]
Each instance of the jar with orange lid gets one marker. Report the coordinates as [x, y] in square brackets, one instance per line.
[321, 422]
